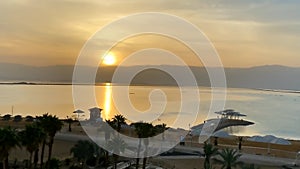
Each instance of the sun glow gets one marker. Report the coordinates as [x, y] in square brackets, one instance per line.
[109, 59]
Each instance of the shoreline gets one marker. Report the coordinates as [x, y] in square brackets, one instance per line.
[23, 122]
[122, 84]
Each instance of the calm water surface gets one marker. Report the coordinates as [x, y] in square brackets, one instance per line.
[273, 112]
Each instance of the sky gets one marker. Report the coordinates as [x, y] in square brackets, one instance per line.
[245, 33]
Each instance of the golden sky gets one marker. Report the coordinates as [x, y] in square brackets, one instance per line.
[245, 33]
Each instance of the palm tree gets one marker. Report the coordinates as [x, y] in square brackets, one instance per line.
[160, 129]
[215, 141]
[209, 151]
[50, 124]
[117, 146]
[9, 139]
[240, 139]
[98, 152]
[229, 158]
[143, 130]
[69, 121]
[108, 128]
[31, 138]
[119, 120]
[41, 123]
[83, 150]
[54, 125]
[54, 163]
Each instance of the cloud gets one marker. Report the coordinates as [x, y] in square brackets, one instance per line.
[245, 33]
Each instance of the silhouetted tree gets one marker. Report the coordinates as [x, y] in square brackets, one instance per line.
[209, 151]
[160, 129]
[143, 130]
[240, 139]
[9, 139]
[51, 125]
[119, 120]
[84, 150]
[229, 158]
[31, 138]
[69, 121]
[117, 146]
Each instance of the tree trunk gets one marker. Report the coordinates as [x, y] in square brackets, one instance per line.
[106, 158]
[35, 158]
[42, 153]
[70, 129]
[146, 142]
[240, 142]
[30, 160]
[138, 154]
[84, 165]
[6, 162]
[137, 163]
[144, 162]
[216, 141]
[206, 163]
[3, 164]
[115, 160]
[50, 151]
[97, 161]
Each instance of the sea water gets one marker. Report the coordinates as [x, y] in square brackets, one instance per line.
[273, 112]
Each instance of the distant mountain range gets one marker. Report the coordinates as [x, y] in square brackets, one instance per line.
[266, 77]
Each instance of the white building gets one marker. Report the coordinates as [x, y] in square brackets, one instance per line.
[95, 114]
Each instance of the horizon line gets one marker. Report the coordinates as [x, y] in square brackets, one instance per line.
[112, 66]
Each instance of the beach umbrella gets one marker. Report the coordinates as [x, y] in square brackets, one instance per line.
[228, 110]
[239, 114]
[78, 112]
[270, 139]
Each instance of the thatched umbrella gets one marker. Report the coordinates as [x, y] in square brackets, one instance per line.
[78, 112]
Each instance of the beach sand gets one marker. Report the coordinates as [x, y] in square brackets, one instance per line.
[193, 164]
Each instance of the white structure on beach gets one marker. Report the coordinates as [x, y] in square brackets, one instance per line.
[228, 118]
[95, 114]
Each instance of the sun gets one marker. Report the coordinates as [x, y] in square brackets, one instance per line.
[109, 59]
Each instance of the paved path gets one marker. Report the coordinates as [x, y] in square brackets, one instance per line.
[250, 158]
[71, 137]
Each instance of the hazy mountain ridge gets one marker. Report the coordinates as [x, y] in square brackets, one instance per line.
[267, 77]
